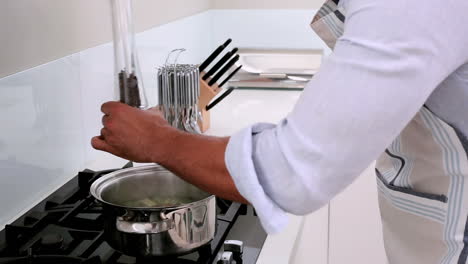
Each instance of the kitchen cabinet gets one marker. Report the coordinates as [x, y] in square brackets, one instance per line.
[303, 242]
[348, 230]
[312, 241]
[280, 248]
[355, 225]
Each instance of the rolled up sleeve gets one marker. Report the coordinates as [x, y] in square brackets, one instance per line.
[240, 163]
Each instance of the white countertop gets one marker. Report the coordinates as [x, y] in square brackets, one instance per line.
[246, 107]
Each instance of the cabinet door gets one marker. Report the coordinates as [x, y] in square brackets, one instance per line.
[303, 242]
[279, 248]
[355, 225]
[312, 241]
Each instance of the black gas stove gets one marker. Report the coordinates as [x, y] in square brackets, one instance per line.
[67, 227]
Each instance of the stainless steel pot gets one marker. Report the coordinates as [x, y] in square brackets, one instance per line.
[154, 231]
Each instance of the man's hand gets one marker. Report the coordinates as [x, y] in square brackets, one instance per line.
[132, 133]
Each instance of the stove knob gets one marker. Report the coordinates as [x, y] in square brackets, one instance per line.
[226, 258]
[234, 246]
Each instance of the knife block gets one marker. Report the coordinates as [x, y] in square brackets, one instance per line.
[207, 93]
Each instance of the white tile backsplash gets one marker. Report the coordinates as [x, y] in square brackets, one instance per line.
[48, 114]
[269, 28]
[42, 132]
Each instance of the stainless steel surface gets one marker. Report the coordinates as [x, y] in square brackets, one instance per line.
[125, 224]
[179, 92]
[154, 231]
[276, 68]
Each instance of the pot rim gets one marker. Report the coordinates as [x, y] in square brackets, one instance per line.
[100, 183]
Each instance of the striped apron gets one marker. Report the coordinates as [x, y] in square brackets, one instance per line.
[422, 179]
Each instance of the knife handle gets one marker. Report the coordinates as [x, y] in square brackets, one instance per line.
[213, 55]
[220, 63]
[219, 99]
[230, 76]
[224, 70]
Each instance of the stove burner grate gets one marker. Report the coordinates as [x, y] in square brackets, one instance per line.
[48, 259]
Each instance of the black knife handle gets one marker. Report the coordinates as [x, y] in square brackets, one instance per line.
[224, 70]
[219, 99]
[220, 63]
[228, 41]
[211, 58]
[230, 76]
[213, 55]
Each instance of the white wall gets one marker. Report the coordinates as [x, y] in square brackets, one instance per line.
[267, 4]
[355, 225]
[35, 32]
[286, 29]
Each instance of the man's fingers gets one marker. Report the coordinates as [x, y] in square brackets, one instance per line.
[104, 133]
[105, 120]
[106, 107]
[100, 144]
[109, 107]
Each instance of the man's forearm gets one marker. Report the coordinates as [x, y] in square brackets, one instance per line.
[145, 136]
[199, 160]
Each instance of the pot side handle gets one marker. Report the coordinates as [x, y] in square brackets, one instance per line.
[130, 227]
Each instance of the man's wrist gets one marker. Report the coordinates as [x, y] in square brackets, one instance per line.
[165, 147]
